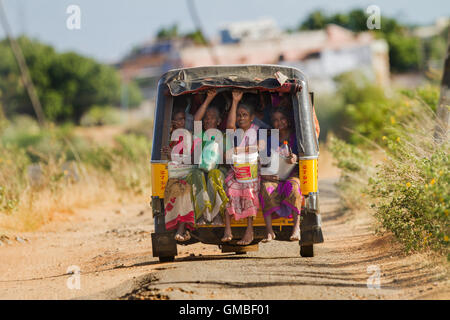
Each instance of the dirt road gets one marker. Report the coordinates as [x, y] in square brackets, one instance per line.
[111, 246]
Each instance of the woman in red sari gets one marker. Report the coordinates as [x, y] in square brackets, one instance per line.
[178, 194]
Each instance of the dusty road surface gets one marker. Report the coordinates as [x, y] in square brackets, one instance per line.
[111, 246]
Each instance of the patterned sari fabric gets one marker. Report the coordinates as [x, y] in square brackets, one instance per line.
[281, 198]
[217, 194]
[208, 195]
[195, 199]
[178, 204]
[243, 197]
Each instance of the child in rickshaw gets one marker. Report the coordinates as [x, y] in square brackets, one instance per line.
[243, 197]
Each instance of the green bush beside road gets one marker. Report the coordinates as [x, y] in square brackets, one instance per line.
[408, 187]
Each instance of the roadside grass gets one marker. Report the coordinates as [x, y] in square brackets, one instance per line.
[51, 171]
[407, 190]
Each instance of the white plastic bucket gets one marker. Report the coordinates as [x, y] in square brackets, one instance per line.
[245, 166]
[284, 168]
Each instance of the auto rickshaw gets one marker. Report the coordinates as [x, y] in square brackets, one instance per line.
[255, 78]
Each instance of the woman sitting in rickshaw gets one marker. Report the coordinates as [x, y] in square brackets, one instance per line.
[243, 197]
[209, 195]
[282, 198]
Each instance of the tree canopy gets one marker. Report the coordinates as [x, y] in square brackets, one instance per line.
[172, 32]
[67, 84]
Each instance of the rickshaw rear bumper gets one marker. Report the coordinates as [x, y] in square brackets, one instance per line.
[310, 227]
[163, 244]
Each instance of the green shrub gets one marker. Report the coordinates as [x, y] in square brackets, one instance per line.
[411, 189]
[142, 128]
[34, 159]
[127, 162]
[101, 115]
[13, 176]
[356, 169]
[365, 108]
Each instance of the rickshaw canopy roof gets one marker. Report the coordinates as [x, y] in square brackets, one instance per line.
[262, 77]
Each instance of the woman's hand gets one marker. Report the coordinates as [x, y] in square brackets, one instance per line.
[237, 95]
[210, 94]
[231, 121]
[292, 158]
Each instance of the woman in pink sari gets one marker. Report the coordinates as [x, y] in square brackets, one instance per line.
[243, 197]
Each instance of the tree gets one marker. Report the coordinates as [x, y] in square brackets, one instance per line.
[197, 37]
[404, 52]
[315, 20]
[167, 33]
[67, 84]
[357, 20]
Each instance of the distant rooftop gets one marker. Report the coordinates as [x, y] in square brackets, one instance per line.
[249, 30]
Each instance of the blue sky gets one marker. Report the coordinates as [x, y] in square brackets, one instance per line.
[110, 28]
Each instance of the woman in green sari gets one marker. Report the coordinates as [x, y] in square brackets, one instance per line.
[208, 194]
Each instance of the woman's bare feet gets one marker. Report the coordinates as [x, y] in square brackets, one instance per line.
[296, 231]
[182, 234]
[227, 236]
[295, 235]
[270, 236]
[247, 238]
[187, 235]
[179, 237]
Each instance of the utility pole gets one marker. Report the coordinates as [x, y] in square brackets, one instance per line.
[198, 25]
[25, 74]
[442, 112]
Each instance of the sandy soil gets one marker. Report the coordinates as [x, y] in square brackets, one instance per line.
[111, 245]
[341, 269]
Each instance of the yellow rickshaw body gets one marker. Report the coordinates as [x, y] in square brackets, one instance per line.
[260, 78]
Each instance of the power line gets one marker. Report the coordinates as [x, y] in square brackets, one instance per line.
[25, 74]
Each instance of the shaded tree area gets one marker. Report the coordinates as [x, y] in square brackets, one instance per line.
[67, 84]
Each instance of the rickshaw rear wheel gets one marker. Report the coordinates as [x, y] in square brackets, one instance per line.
[307, 251]
[167, 259]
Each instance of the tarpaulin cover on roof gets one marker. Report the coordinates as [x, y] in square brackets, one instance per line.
[267, 77]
